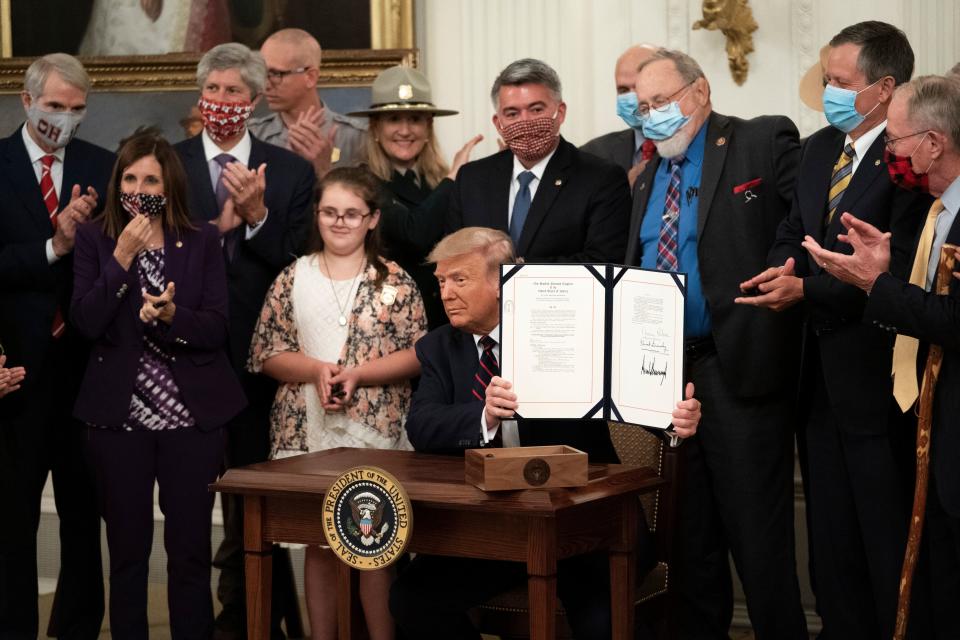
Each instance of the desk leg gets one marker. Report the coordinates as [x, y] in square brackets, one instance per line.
[344, 601]
[542, 577]
[542, 597]
[623, 572]
[258, 565]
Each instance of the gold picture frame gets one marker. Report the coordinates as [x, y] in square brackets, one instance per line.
[391, 25]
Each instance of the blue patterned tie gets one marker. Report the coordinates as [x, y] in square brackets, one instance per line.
[521, 206]
[670, 227]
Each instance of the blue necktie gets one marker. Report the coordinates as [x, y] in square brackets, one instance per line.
[521, 206]
[231, 239]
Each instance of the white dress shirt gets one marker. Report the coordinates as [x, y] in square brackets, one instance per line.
[537, 171]
[863, 143]
[35, 153]
[242, 153]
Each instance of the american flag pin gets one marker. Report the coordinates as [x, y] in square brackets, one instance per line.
[558, 183]
[179, 244]
[721, 141]
[876, 162]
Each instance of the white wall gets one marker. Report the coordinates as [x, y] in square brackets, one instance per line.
[465, 43]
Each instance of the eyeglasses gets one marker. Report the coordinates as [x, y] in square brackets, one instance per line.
[276, 76]
[643, 109]
[888, 141]
[351, 217]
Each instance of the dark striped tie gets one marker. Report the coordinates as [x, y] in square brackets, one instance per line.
[488, 368]
[669, 244]
[842, 173]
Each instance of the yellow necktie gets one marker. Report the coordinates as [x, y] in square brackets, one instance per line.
[905, 387]
[840, 179]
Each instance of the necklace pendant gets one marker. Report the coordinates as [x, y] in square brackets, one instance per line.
[342, 321]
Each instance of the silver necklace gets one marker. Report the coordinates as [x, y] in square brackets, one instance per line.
[342, 320]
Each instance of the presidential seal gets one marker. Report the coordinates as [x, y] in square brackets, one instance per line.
[367, 518]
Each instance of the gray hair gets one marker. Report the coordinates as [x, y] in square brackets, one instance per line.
[233, 55]
[955, 71]
[65, 65]
[687, 67]
[934, 103]
[527, 71]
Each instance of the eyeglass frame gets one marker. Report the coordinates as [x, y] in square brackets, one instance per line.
[639, 110]
[276, 76]
[325, 217]
[887, 141]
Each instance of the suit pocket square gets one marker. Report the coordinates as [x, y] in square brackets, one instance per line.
[750, 184]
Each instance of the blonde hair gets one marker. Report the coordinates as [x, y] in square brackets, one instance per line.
[429, 164]
[494, 245]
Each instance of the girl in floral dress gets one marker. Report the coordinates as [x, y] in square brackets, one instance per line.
[337, 330]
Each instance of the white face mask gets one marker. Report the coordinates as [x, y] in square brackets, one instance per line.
[56, 128]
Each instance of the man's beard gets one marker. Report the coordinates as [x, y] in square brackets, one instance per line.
[676, 145]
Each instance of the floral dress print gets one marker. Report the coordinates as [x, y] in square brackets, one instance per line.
[300, 315]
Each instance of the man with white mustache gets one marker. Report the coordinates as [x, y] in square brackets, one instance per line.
[708, 204]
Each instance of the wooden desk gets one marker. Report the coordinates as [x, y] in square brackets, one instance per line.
[283, 502]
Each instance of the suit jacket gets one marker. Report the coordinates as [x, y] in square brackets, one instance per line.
[758, 349]
[31, 290]
[904, 308]
[445, 416]
[854, 357]
[616, 148]
[411, 224]
[579, 213]
[258, 261]
[106, 307]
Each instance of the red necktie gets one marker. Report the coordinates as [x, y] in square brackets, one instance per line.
[49, 193]
[488, 368]
[647, 149]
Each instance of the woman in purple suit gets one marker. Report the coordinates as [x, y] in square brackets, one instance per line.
[150, 292]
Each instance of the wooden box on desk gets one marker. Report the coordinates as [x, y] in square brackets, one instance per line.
[526, 468]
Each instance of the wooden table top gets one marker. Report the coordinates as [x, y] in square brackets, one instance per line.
[431, 480]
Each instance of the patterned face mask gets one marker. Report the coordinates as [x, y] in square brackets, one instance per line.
[902, 174]
[531, 140]
[146, 204]
[223, 120]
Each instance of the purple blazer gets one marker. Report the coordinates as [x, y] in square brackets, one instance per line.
[105, 309]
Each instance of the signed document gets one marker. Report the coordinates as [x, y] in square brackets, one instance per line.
[593, 341]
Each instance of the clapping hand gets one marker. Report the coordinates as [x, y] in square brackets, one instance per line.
[159, 307]
[777, 288]
[11, 378]
[871, 253]
[77, 211]
[308, 140]
[246, 188]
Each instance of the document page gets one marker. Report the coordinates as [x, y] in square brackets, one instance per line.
[552, 336]
[647, 378]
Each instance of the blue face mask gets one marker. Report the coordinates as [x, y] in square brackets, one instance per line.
[839, 105]
[627, 109]
[663, 123]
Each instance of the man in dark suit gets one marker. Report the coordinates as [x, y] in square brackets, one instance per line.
[557, 204]
[924, 146]
[708, 204]
[856, 445]
[260, 197]
[627, 149]
[462, 403]
[49, 183]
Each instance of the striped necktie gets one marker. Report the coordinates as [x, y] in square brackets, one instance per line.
[52, 202]
[842, 174]
[487, 368]
[906, 390]
[668, 246]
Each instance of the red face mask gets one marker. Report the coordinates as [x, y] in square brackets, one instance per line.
[531, 140]
[902, 174]
[223, 120]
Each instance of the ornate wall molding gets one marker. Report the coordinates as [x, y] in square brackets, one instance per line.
[806, 52]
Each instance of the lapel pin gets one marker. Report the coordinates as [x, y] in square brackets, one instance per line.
[876, 163]
[179, 244]
[558, 183]
[721, 141]
[643, 185]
